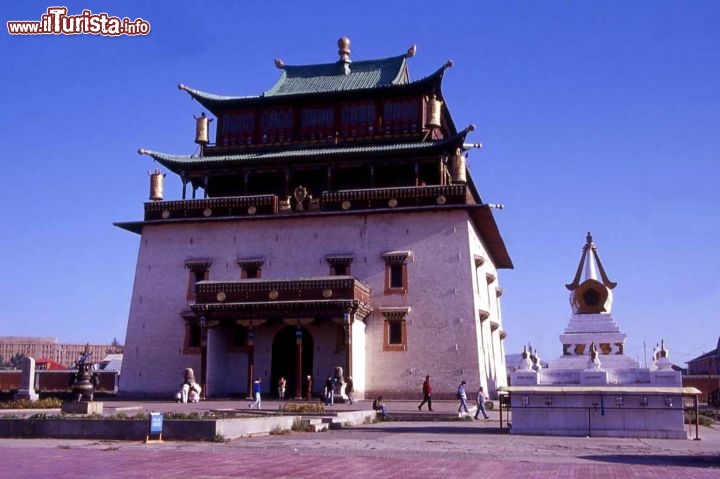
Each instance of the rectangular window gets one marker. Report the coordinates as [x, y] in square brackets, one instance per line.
[396, 273]
[195, 276]
[193, 338]
[479, 261]
[395, 328]
[396, 276]
[199, 271]
[250, 272]
[395, 335]
[340, 270]
[250, 268]
[339, 264]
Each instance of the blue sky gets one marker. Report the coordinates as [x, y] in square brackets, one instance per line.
[594, 116]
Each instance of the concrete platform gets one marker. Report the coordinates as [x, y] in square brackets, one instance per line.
[424, 445]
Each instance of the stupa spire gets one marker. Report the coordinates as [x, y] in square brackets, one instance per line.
[590, 264]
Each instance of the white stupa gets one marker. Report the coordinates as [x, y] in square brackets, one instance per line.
[593, 389]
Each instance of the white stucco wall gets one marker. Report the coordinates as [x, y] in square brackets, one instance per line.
[442, 326]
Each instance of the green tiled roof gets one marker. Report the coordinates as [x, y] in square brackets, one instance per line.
[330, 77]
[179, 163]
[326, 78]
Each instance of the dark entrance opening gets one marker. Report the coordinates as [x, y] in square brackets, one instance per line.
[284, 360]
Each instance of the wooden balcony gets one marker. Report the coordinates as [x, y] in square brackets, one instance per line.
[330, 296]
[362, 199]
[397, 197]
[212, 207]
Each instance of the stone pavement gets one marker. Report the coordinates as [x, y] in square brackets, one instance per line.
[423, 449]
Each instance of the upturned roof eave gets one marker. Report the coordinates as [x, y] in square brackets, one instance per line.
[180, 164]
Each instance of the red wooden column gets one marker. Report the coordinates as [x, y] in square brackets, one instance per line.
[251, 359]
[347, 323]
[298, 362]
[203, 357]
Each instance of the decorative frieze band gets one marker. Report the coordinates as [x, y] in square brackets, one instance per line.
[395, 314]
[339, 259]
[198, 264]
[396, 257]
[247, 263]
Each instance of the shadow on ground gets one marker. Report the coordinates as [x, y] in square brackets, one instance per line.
[415, 429]
[657, 460]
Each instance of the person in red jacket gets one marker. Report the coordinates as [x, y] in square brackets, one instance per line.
[427, 394]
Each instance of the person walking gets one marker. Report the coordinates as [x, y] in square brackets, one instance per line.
[480, 399]
[329, 393]
[256, 394]
[349, 389]
[427, 394]
[462, 396]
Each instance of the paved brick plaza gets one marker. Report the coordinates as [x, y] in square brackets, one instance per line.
[382, 450]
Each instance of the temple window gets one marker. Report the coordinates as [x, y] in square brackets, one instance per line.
[395, 329]
[199, 271]
[396, 275]
[358, 119]
[276, 125]
[317, 123]
[250, 268]
[401, 116]
[395, 335]
[237, 128]
[339, 264]
[479, 261]
[193, 338]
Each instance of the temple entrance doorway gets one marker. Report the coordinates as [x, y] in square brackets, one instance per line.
[287, 361]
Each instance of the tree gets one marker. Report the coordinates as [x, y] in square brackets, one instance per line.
[115, 347]
[16, 361]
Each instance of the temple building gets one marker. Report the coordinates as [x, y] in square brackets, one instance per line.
[593, 388]
[332, 224]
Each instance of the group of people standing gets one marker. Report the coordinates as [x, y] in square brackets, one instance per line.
[190, 391]
[328, 392]
[461, 395]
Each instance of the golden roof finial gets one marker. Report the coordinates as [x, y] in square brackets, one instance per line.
[279, 63]
[411, 51]
[344, 48]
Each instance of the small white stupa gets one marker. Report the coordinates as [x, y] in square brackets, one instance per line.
[593, 389]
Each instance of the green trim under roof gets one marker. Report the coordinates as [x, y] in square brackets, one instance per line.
[179, 163]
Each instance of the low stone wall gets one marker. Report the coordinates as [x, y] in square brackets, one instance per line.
[173, 430]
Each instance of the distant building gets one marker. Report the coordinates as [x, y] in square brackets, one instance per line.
[707, 363]
[703, 372]
[50, 349]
